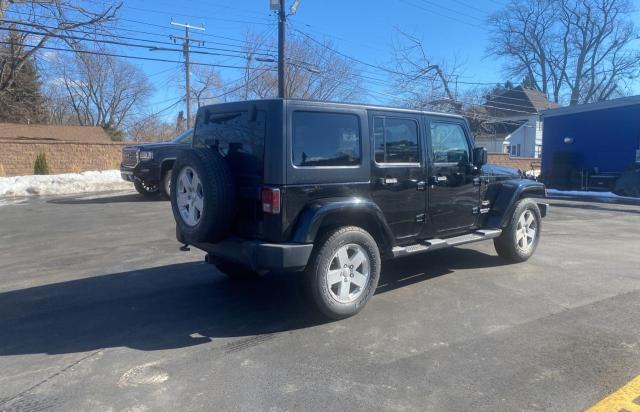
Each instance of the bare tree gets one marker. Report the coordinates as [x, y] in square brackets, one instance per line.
[578, 50]
[418, 80]
[101, 90]
[151, 128]
[206, 83]
[314, 71]
[37, 22]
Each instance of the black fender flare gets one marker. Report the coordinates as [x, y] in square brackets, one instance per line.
[316, 214]
[163, 166]
[508, 194]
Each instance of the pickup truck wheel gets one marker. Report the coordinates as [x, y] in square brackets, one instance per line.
[203, 195]
[343, 271]
[146, 189]
[165, 188]
[521, 236]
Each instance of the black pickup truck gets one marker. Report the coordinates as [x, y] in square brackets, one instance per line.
[149, 165]
[328, 190]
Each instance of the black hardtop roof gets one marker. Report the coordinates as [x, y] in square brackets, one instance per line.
[341, 104]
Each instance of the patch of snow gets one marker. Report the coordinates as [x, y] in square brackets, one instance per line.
[533, 173]
[67, 183]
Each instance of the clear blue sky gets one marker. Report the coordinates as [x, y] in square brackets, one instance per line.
[363, 29]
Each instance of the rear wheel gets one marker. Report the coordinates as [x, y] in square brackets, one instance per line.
[520, 238]
[343, 271]
[146, 189]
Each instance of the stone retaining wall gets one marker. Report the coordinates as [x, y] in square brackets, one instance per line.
[17, 157]
[523, 163]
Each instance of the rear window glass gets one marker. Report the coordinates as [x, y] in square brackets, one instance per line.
[325, 139]
[236, 136]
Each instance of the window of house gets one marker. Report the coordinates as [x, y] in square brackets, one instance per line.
[449, 143]
[325, 139]
[396, 140]
[518, 149]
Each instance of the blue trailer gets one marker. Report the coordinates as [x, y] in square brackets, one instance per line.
[589, 146]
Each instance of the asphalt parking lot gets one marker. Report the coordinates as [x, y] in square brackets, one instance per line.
[100, 311]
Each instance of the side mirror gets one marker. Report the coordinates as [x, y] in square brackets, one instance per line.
[479, 156]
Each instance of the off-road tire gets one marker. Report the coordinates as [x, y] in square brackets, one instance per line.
[321, 259]
[507, 244]
[165, 185]
[145, 189]
[218, 193]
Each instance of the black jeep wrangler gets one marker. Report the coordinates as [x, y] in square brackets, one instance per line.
[330, 189]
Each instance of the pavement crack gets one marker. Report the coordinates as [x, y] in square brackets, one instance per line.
[48, 379]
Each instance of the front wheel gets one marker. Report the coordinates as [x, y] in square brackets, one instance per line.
[165, 188]
[343, 271]
[146, 189]
[521, 236]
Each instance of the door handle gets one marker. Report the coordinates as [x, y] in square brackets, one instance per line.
[388, 181]
[421, 185]
[437, 180]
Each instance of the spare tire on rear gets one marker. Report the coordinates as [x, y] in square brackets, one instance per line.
[203, 196]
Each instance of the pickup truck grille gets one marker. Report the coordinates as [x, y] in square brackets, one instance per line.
[129, 157]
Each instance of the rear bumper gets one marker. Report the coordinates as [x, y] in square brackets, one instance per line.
[260, 256]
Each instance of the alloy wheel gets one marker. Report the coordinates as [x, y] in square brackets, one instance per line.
[526, 231]
[190, 196]
[348, 274]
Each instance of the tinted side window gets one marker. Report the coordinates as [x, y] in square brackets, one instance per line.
[325, 139]
[396, 140]
[449, 143]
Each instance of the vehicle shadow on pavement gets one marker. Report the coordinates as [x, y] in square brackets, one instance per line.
[128, 198]
[406, 271]
[180, 305]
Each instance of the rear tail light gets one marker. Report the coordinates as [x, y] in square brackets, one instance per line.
[270, 200]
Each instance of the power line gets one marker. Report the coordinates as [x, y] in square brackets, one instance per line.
[113, 36]
[471, 6]
[452, 10]
[112, 42]
[440, 14]
[143, 58]
[120, 28]
[197, 17]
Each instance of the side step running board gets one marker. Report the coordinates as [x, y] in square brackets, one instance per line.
[435, 244]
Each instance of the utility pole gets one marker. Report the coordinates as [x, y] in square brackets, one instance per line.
[278, 5]
[186, 40]
[282, 21]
